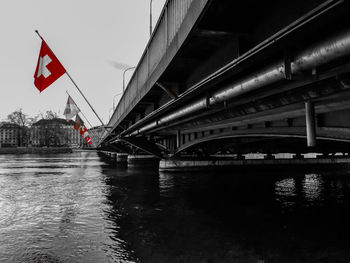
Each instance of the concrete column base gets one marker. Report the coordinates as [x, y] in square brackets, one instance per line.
[298, 156]
[148, 161]
[181, 165]
[269, 157]
[120, 159]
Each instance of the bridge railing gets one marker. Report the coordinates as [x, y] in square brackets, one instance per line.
[168, 24]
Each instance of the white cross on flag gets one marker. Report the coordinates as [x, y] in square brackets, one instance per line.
[71, 109]
[48, 69]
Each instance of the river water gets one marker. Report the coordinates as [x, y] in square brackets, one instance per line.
[78, 208]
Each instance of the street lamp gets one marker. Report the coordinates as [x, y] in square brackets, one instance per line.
[150, 18]
[124, 76]
[114, 98]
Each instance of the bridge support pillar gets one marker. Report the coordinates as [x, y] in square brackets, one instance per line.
[113, 156]
[298, 156]
[147, 161]
[269, 156]
[178, 139]
[121, 158]
[240, 157]
[310, 124]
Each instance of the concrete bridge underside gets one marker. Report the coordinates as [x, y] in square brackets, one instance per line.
[238, 77]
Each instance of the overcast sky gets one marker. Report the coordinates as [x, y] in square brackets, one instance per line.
[85, 35]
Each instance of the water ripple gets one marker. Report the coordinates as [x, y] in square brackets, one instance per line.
[54, 210]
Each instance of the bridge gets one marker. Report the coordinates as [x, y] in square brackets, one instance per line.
[234, 77]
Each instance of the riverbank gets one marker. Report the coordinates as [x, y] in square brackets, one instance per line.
[35, 150]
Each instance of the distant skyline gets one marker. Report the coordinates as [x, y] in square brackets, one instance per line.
[92, 39]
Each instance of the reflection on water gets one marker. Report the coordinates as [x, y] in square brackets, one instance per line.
[312, 187]
[51, 210]
[166, 183]
[77, 208]
[285, 192]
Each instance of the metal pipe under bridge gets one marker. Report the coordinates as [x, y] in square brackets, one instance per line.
[221, 77]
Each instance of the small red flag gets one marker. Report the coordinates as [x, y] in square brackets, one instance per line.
[48, 69]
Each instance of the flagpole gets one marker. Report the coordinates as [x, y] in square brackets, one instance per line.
[99, 138]
[85, 98]
[36, 31]
[93, 132]
[79, 109]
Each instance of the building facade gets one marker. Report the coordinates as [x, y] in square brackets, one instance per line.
[55, 133]
[10, 134]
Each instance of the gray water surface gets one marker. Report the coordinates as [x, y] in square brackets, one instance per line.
[54, 209]
[78, 208]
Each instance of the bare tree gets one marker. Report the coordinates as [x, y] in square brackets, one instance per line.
[18, 117]
[32, 120]
[50, 115]
[22, 120]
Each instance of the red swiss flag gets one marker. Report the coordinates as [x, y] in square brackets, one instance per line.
[48, 69]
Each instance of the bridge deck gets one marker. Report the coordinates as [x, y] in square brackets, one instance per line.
[215, 69]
